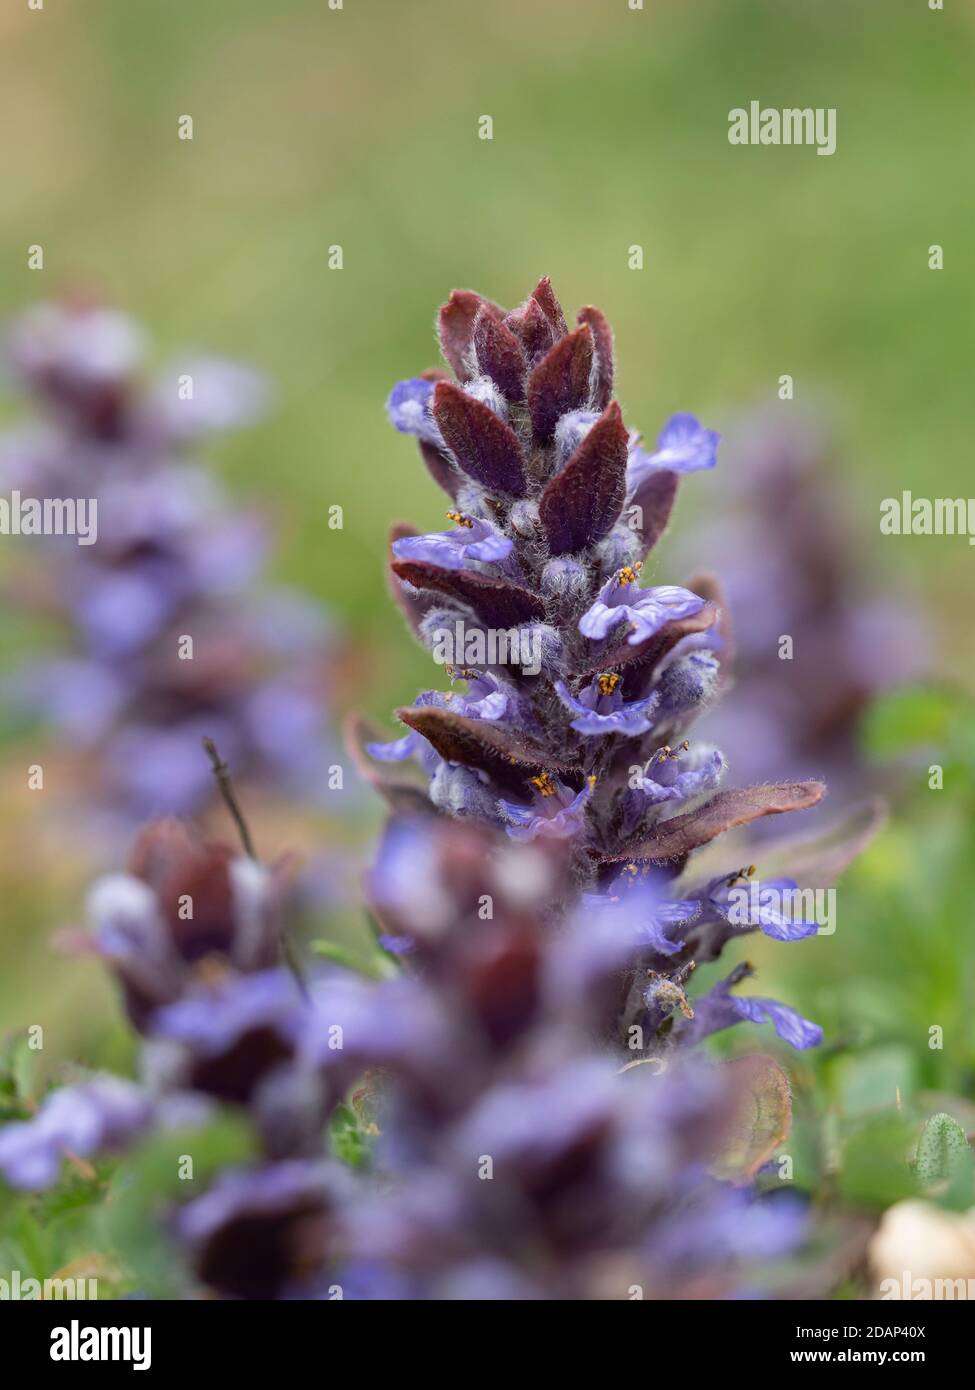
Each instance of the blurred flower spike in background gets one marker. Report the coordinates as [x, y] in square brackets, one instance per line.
[170, 629]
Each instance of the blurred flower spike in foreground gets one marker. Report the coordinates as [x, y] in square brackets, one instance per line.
[458, 1130]
[172, 631]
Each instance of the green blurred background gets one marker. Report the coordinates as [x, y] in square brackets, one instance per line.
[359, 127]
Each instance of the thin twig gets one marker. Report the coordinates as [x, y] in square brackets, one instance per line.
[221, 773]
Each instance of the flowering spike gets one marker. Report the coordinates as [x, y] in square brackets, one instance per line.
[170, 630]
[586, 745]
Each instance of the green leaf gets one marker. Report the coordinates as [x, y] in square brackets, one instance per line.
[942, 1150]
[150, 1181]
[24, 1069]
[348, 1139]
[375, 967]
[874, 1167]
[873, 1080]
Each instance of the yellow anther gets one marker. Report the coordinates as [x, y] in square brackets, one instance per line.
[591, 779]
[607, 682]
[628, 574]
[461, 519]
[543, 782]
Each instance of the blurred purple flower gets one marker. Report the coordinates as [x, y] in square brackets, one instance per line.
[98, 1115]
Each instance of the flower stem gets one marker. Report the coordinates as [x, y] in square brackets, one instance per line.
[221, 773]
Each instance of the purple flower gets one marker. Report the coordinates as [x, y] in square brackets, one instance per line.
[746, 903]
[158, 772]
[267, 1233]
[648, 610]
[554, 813]
[474, 539]
[791, 1027]
[225, 396]
[408, 408]
[405, 882]
[720, 1222]
[683, 446]
[674, 774]
[638, 911]
[485, 699]
[212, 1021]
[719, 1009]
[183, 900]
[601, 709]
[230, 1038]
[399, 750]
[80, 697]
[88, 348]
[101, 1114]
